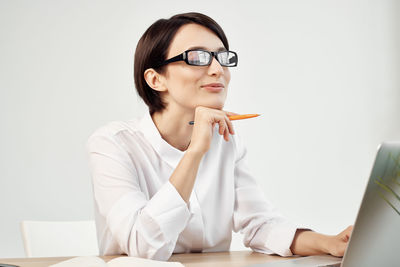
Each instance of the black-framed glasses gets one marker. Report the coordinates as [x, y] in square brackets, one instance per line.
[198, 57]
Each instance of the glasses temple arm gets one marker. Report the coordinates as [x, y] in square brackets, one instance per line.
[173, 59]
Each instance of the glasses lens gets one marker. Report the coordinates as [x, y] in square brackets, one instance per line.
[227, 58]
[198, 58]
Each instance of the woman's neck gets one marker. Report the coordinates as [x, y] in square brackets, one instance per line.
[174, 128]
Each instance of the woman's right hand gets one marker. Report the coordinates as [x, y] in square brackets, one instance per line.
[204, 122]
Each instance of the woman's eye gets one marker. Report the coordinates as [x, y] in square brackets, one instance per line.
[203, 57]
[223, 57]
[193, 57]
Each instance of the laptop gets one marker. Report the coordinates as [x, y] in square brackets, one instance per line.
[375, 240]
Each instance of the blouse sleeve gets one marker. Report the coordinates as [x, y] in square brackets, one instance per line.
[143, 227]
[265, 229]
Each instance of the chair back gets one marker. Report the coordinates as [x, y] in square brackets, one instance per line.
[59, 238]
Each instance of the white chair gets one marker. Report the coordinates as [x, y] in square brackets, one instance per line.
[58, 239]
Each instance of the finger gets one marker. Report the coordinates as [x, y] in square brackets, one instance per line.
[230, 125]
[222, 126]
[226, 134]
[346, 238]
[345, 235]
[226, 130]
[348, 230]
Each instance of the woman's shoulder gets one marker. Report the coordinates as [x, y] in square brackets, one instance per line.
[111, 130]
[113, 127]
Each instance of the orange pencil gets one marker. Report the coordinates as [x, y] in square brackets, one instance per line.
[237, 117]
[241, 117]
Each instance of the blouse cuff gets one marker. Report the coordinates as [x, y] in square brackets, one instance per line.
[168, 210]
[275, 238]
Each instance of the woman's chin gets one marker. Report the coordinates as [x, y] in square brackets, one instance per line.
[214, 102]
[214, 105]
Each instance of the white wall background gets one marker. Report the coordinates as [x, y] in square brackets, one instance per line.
[324, 74]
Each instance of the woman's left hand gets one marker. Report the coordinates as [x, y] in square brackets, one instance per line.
[337, 244]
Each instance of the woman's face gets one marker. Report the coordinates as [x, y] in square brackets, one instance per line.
[187, 85]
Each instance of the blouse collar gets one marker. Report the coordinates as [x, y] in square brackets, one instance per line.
[167, 152]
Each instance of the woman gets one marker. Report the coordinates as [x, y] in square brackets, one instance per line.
[163, 186]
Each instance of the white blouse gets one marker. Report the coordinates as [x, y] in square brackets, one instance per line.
[138, 211]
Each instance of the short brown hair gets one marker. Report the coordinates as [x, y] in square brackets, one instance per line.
[153, 46]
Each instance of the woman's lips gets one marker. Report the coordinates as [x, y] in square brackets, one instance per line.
[213, 87]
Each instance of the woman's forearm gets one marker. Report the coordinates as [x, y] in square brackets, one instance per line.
[185, 173]
[307, 243]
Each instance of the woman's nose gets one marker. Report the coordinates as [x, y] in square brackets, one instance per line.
[215, 68]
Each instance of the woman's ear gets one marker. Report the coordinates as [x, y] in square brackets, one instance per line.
[154, 80]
